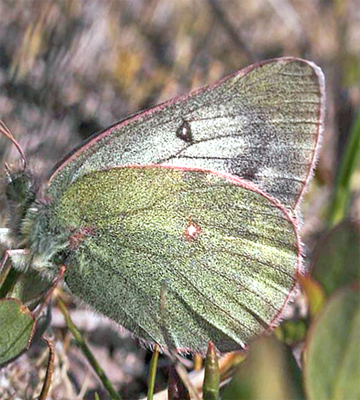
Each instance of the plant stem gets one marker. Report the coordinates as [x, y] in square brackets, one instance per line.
[87, 352]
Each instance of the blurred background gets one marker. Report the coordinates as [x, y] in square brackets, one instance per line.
[69, 68]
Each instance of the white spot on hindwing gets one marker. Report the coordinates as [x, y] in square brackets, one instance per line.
[192, 231]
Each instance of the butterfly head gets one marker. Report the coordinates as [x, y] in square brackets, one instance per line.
[24, 221]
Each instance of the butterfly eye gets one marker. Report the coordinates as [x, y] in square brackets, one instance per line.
[19, 186]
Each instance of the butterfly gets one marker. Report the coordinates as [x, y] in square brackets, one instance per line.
[181, 222]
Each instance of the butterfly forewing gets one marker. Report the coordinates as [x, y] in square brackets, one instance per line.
[261, 124]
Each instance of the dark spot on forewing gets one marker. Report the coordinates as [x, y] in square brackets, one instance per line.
[184, 133]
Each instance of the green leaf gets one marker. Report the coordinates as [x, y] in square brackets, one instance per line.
[337, 257]
[17, 326]
[212, 374]
[29, 287]
[332, 355]
[269, 372]
[9, 283]
[314, 293]
[291, 332]
[349, 164]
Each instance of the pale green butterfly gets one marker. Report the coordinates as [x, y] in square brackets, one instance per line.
[199, 195]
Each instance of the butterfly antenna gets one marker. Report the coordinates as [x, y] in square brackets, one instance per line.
[6, 132]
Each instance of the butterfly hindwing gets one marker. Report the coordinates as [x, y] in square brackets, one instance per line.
[227, 252]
